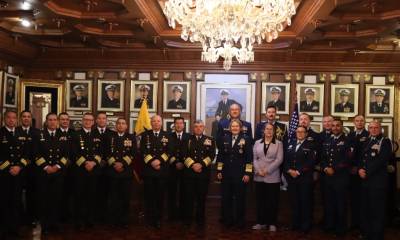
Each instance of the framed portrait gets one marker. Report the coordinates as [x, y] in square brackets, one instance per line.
[41, 98]
[76, 122]
[348, 127]
[79, 95]
[387, 129]
[379, 101]
[112, 123]
[176, 96]
[276, 94]
[168, 125]
[132, 124]
[316, 126]
[110, 95]
[311, 98]
[344, 100]
[10, 90]
[214, 100]
[144, 90]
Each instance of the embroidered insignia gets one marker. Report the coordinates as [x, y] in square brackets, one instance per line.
[207, 142]
[127, 143]
[375, 147]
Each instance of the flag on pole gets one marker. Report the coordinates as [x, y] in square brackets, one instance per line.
[293, 124]
[143, 121]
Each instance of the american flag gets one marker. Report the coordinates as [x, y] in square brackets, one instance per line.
[294, 123]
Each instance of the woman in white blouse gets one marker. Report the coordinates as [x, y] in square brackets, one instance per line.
[267, 158]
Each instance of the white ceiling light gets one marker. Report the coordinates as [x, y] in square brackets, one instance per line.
[25, 5]
[25, 23]
[229, 28]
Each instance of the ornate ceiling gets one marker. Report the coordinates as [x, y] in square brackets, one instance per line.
[346, 26]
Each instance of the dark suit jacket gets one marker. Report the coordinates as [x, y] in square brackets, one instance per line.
[139, 101]
[279, 104]
[223, 109]
[346, 108]
[235, 161]
[81, 103]
[180, 104]
[314, 106]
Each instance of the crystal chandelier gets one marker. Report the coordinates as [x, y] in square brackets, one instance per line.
[229, 28]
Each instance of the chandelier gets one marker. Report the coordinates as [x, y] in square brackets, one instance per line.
[229, 28]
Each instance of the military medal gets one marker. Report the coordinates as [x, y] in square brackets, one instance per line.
[112, 145]
[41, 137]
[148, 144]
[82, 143]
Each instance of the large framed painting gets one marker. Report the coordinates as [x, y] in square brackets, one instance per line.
[276, 94]
[141, 90]
[40, 98]
[10, 90]
[311, 98]
[168, 125]
[379, 101]
[110, 95]
[176, 96]
[214, 100]
[79, 95]
[344, 100]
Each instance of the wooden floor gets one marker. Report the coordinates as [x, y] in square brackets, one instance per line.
[212, 230]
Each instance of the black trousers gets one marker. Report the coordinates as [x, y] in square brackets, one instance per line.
[233, 200]
[85, 199]
[67, 213]
[176, 194]
[154, 190]
[301, 195]
[196, 193]
[355, 187]
[336, 189]
[10, 201]
[50, 188]
[119, 199]
[102, 194]
[30, 204]
[267, 202]
[373, 204]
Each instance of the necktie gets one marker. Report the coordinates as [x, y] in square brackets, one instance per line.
[26, 131]
[52, 134]
[379, 105]
[12, 133]
[179, 137]
[298, 145]
[102, 131]
[156, 134]
[233, 141]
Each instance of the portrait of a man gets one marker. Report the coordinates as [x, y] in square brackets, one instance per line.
[224, 104]
[344, 106]
[110, 98]
[144, 91]
[177, 102]
[79, 100]
[379, 105]
[176, 96]
[309, 104]
[275, 98]
[10, 88]
[110, 95]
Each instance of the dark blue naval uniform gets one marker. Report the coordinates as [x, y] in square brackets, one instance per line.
[13, 153]
[300, 188]
[280, 131]
[375, 155]
[50, 150]
[223, 129]
[176, 193]
[234, 161]
[356, 141]
[121, 149]
[154, 146]
[199, 149]
[336, 154]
